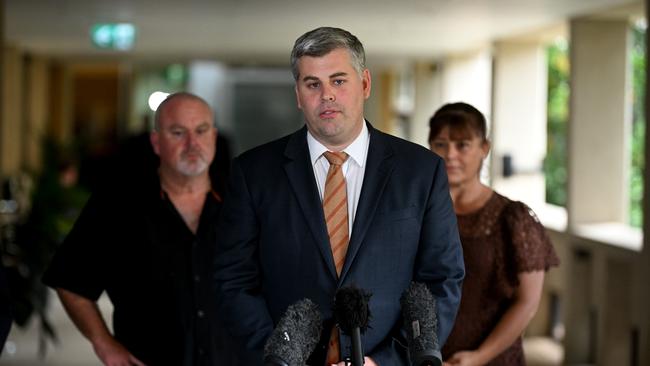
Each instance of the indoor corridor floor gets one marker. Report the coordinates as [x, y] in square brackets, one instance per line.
[21, 348]
[72, 349]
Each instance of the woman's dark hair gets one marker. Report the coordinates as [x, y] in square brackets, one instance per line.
[461, 118]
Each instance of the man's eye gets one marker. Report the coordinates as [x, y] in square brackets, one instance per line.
[313, 85]
[339, 82]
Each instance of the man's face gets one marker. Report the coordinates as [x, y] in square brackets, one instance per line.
[185, 140]
[331, 94]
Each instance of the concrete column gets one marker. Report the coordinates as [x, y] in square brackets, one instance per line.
[642, 273]
[519, 119]
[11, 130]
[209, 79]
[468, 78]
[600, 121]
[427, 99]
[37, 114]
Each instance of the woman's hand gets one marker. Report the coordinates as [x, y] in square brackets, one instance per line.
[367, 361]
[464, 358]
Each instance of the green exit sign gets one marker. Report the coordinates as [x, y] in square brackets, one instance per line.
[114, 36]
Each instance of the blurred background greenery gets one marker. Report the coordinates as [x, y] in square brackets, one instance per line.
[555, 163]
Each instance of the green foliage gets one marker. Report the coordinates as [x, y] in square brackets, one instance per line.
[555, 164]
[55, 204]
[638, 59]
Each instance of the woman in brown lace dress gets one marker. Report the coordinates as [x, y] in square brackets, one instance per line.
[506, 249]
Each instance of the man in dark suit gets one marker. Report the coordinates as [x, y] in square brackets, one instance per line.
[281, 240]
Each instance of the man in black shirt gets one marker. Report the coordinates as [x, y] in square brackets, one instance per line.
[5, 308]
[148, 242]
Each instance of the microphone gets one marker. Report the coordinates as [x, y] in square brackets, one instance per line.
[352, 316]
[421, 323]
[295, 337]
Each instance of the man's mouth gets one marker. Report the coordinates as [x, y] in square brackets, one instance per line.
[192, 156]
[328, 113]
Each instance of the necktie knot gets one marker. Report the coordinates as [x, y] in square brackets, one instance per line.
[336, 158]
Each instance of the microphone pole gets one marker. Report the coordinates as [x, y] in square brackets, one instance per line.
[353, 315]
[357, 348]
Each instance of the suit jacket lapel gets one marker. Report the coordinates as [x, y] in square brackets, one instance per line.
[301, 178]
[379, 165]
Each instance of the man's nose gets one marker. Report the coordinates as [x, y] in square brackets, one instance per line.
[192, 139]
[328, 94]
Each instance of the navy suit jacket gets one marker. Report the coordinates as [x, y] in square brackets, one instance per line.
[273, 247]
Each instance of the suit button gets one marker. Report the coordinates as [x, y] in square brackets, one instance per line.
[197, 278]
[200, 314]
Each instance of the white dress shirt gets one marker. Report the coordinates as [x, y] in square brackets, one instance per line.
[353, 168]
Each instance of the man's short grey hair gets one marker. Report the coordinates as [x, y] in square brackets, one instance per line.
[323, 40]
[183, 95]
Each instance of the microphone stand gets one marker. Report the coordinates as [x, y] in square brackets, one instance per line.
[428, 358]
[357, 349]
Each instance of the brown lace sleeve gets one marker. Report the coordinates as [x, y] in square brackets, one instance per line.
[531, 247]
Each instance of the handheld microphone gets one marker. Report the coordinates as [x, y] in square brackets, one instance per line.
[352, 316]
[295, 336]
[421, 323]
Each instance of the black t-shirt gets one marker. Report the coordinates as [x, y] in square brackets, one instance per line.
[133, 244]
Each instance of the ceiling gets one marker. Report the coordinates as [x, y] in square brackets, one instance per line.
[261, 30]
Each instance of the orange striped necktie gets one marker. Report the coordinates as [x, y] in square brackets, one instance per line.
[335, 207]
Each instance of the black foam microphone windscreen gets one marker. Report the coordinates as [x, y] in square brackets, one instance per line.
[352, 314]
[295, 336]
[421, 324]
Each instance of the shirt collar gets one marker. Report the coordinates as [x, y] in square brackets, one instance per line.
[356, 150]
[165, 197]
[216, 196]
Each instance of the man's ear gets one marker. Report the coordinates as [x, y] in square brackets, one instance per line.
[366, 82]
[154, 138]
[295, 88]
